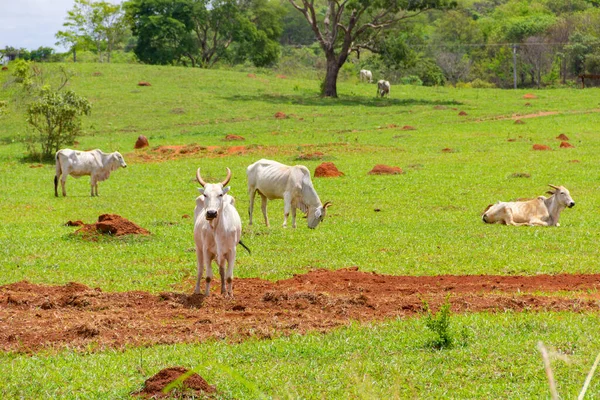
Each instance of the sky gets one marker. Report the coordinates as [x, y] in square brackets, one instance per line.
[33, 23]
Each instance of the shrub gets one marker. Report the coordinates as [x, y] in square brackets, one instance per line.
[439, 324]
[55, 119]
[411, 80]
[481, 84]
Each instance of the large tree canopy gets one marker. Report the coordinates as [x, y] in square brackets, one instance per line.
[202, 32]
[349, 25]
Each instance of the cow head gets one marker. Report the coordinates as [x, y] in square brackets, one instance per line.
[562, 195]
[214, 194]
[316, 215]
[117, 160]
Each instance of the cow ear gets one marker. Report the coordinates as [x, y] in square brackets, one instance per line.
[201, 190]
[226, 189]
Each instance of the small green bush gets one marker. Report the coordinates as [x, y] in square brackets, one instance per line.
[439, 324]
[481, 84]
[411, 80]
[55, 119]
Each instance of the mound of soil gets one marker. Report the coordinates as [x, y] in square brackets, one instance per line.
[438, 107]
[511, 140]
[527, 104]
[519, 122]
[326, 170]
[251, 75]
[141, 142]
[37, 317]
[36, 166]
[566, 145]
[280, 115]
[75, 223]
[194, 386]
[448, 150]
[112, 224]
[574, 161]
[97, 73]
[5, 68]
[462, 113]
[234, 137]
[563, 137]
[178, 110]
[381, 169]
[408, 128]
[144, 83]
[529, 96]
[541, 147]
[520, 175]
[317, 155]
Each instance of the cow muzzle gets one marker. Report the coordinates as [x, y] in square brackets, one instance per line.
[211, 214]
[571, 204]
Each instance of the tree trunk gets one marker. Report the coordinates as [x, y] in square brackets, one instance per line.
[74, 55]
[330, 84]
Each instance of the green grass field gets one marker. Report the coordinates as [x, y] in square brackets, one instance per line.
[429, 224]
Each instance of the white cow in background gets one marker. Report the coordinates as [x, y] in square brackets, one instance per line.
[383, 88]
[273, 180]
[217, 231]
[366, 75]
[95, 163]
[541, 211]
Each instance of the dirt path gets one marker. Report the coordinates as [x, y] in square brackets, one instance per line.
[33, 317]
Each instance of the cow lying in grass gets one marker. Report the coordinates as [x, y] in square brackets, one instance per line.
[541, 211]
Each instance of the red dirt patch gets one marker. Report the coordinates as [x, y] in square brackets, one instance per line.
[111, 224]
[326, 170]
[144, 83]
[381, 169]
[194, 386]
[408, 128]
[239, 150]
[574, 161]
[563, 137]
[234, 137]
[529, 96]
[519, 122]
[566, 145]
[462, 113]
[75, 223]
[141, 142]
[448, 150]
[280, 115]
[317, 155]
[541, 147]
[438, 107]
[251, 75]
[36, 166]
[5, 68]
[34, 317]
[511, 140]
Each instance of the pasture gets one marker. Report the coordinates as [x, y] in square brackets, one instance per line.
[424, 222]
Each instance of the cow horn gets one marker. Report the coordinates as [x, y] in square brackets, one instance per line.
[327, 204]
[226, 181]
[553, 187]
[199, 178]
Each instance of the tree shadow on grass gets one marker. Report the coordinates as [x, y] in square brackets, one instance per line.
[343, 101]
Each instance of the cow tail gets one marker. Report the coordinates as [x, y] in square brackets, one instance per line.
[246, 247]
[57, 174]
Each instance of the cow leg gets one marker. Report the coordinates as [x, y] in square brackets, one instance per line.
[200, 264]
[92, 184]
[287, 207]
[222, 274]
[293, 216]
[63, 181]
[209, 272]
[252, 193]
[263, 207]
[229, 276]
[56, 185]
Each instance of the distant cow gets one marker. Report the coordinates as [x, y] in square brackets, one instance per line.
[541, 211]
[366, 75]
[383, 88]
[273, 180]
[217, 231]
[95, 163]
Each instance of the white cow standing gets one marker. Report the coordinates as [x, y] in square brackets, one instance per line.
[273, 180]
[541, 211]
[383, 88]
[366, 75]
[95, 163]
[217, 231]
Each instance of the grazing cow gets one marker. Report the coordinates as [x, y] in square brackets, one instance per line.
[366, 75]
[217, 231]
[95, 163]
[383, 88]
[541, 211]
[273, 180]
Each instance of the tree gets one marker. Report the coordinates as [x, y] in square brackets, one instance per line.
[349, 25]
[55, 118]
[99, 25]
